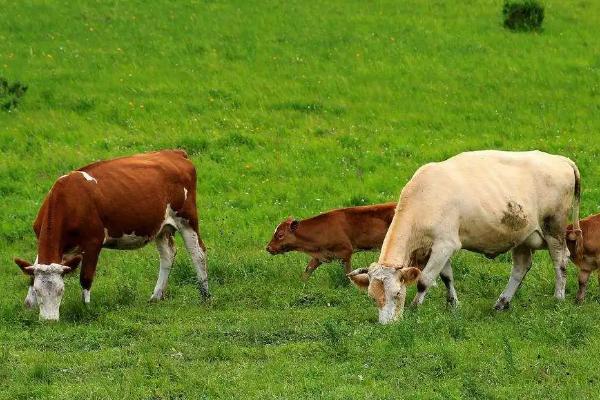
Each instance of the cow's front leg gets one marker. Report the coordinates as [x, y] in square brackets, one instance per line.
[448, 279]
[167, 250]
[310, 268]
[521, 264]
[583, 281]
[31, 299]
[88, 271]
[440, 255]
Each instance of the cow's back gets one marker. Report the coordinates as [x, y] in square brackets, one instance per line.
[490, 200]
[134, 192]
[366, 226]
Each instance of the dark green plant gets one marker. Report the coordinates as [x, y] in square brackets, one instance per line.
[11, 94]
[524, 15]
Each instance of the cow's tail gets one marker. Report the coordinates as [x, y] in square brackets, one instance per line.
[575, 233]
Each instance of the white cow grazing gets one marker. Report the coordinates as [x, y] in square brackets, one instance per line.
[488, 202]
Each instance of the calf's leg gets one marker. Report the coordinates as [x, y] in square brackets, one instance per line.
[196, 248]
[440, 255]
[310, 268]
[584, 275]
[521, 264]
[347, 263]
[167, 250]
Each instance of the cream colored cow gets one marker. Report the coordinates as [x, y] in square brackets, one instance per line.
[488, 202]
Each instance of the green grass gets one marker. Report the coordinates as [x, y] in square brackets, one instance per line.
[291, 108]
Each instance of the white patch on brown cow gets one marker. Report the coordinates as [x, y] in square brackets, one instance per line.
[126, 242]
[87, 176]
[184, 194]
[86, 296]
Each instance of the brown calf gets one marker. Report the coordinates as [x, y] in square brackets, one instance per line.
[334, 235]
[585, 252]
[118, 204]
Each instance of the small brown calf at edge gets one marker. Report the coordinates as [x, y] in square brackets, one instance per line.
[334, 235]
[584, 249]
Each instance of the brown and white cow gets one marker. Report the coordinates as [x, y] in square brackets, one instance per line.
[488, 202]
[587, 259]
[123, 203]
[334, 235]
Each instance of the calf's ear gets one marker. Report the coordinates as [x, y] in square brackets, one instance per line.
[360, 278]
[71, 263]
[294, 225]
[24, 265]
[409, 275]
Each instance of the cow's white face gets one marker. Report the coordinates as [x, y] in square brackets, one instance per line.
[387, 286]
[48, 287]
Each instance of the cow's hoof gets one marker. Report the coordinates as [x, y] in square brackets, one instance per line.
[453, 303]
[206, 296]
[156, 297]
[502, 304]
[579, 301]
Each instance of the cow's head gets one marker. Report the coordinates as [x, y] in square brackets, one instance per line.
[387, 286]
[48, 285]
[284, 237]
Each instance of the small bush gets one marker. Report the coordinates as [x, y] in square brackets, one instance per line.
[11, 94]
[526, 15]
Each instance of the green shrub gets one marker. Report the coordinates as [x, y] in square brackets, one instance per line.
[11, 94]
[526, 15]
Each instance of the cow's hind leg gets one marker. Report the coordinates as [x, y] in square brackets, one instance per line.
[448, 279]
[197, 251]
[521, 264]
[557, 247]
[167, 250]
[440, 254]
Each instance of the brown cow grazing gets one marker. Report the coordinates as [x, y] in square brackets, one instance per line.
[587, 256]
[334, 235]
[117, 204]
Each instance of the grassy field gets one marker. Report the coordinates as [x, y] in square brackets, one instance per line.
[291, 108]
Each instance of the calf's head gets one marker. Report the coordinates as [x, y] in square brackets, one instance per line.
[387, 286]
[48, 285]
[284, 237]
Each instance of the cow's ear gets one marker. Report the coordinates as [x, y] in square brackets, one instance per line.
[71, 263]
[360, 278]
[294, 225]
[24, 265]
[409, 275]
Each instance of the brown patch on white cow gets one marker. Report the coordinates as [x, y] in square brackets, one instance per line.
[514, 217]
[377, 292]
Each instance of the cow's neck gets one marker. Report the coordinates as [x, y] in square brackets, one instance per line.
[399, 243]
[305, 234]
[50, 241]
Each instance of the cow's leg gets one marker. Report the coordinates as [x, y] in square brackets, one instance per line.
[197, 251]
[559, 253]
[521, 256]
[88, 271]
[167, 250]
[448, 279]
[310, 268]
[583, 281]
[440, 254]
